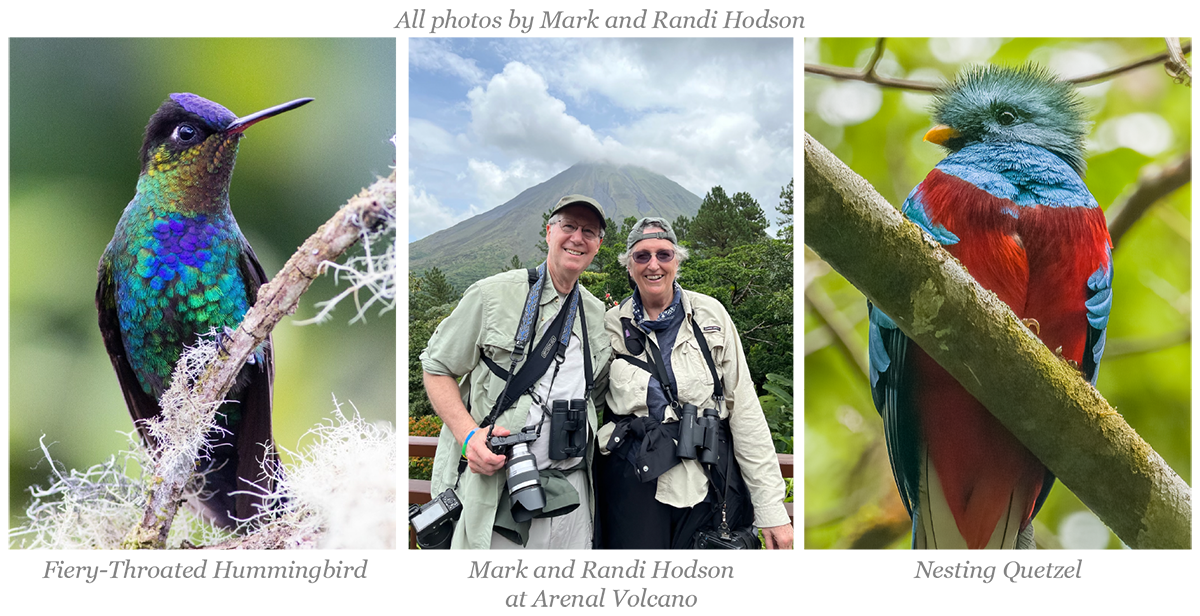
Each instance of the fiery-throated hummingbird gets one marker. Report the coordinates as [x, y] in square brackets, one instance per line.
[178, 267]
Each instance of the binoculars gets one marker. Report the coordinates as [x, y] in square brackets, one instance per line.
[697, 434]
[568, 428]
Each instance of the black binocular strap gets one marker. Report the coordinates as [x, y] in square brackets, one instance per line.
[656, 367]
[718, 388]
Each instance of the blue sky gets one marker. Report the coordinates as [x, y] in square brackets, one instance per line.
[489, 118]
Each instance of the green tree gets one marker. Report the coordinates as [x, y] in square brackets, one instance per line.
[431, 298]
[611, 279]
[432, 289]
[724, 222]
[786, 208]
[682, 227]
[754, 283]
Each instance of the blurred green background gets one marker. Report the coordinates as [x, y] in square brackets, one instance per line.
[78, 111]
[1142, 119]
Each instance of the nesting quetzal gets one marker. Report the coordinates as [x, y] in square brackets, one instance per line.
[1009, 202]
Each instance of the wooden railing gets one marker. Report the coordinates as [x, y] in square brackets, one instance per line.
[426, 447]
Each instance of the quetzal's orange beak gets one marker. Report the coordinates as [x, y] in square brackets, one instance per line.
[940, 134]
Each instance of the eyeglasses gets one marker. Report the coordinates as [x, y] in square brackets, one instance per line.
[643, 257]
[589, 233]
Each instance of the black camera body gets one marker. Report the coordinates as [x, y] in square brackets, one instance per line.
[568, 429]
[697, 434]
[718, 539]
[434, 521]
[521, 470]
[501, 445]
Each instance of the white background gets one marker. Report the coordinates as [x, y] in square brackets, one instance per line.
[820, 582]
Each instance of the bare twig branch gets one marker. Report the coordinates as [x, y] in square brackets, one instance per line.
[876, 56]
[1125, 68]
[277, 298]
[886, 82]
[1149, 189]
[869, 75]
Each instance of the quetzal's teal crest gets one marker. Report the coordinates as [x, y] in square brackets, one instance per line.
[178, 267]
[1010, 203]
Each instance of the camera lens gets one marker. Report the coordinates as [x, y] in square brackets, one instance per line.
[523, 485]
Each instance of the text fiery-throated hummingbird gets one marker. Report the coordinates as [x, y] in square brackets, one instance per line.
[178, 267]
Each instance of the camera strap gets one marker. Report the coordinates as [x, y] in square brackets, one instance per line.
[551, 348]
[722, 495]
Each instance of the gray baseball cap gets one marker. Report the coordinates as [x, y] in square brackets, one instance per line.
[581, 200]
[638, 233]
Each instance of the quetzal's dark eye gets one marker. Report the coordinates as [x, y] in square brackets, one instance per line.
[1007, 117]
[185, 133]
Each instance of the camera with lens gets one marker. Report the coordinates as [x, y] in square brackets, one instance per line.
[521, 470]
[697, 434]
[726, 539]
[568, 429]
[434, 521]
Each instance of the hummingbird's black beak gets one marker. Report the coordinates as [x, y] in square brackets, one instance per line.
[245, 122]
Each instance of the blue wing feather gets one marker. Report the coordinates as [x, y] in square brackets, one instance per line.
[1099, 305]
[914, 210]
[888, 351]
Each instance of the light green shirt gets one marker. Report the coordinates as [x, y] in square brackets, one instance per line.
[485, 323]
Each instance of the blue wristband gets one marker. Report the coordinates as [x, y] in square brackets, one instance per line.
[468, 440]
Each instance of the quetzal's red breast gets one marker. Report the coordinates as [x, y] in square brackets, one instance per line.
[1009, 203]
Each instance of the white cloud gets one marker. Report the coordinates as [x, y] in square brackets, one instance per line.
[495, 186]
[427, 140]
[435, 55]
[516, 113]
[426, 214]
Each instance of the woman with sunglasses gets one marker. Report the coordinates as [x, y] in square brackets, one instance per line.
[688, 458]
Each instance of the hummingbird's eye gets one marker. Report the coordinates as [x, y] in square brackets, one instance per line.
[1007, 118]
[185, 133]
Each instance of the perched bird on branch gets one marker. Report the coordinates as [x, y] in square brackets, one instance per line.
[178, 267]
[1010, 203]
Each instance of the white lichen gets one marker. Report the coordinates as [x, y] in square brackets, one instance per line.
[372, 275]
[340, 490]
[181, 430]
[96, 507]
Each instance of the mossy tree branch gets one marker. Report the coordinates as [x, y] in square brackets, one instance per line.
[1042, 400]
[277, 298]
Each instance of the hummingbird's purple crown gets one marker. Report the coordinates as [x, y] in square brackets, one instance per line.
[216, 115]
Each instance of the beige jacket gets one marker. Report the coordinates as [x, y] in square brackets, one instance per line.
[484, 322]
[685, 484]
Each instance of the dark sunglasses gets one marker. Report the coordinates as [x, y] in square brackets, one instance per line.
[663, 256]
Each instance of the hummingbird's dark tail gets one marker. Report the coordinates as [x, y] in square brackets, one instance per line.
[241, 472]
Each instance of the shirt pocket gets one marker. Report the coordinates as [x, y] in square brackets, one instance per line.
[692, 375]
[627, 387]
